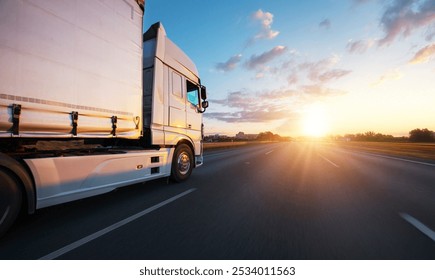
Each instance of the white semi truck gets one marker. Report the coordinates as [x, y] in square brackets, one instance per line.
[90, 103]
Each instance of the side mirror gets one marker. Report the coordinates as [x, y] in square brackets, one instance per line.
[204, 104]
[203, 93]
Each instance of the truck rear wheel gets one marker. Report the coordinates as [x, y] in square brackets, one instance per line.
[182, 163]
[10, 200]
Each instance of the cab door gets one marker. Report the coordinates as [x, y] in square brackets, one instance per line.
[177, 102]
[193, 117]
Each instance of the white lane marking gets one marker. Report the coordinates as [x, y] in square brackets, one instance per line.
[329, 161]
[388, 157]
[419, 225]
[269, 152]
[402, 159]
[108, 229]
[5, 215]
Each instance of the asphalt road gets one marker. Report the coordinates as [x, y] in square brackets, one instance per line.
[271, 201]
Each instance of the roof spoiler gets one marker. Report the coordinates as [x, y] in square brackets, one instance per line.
[153, 31]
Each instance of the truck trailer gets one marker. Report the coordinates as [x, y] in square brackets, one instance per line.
[90, 103]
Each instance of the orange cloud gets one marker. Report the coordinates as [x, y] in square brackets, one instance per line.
[424, 55]
[391, 75]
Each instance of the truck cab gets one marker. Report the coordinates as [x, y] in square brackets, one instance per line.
[174, 98]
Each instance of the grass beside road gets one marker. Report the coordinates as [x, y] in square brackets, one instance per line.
[415, 150]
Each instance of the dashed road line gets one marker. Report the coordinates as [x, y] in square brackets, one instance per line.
[419, 225]
[108, 229]
[336, 165]
[5, 215]
[269, 152]
[402, 159]
[387, 157]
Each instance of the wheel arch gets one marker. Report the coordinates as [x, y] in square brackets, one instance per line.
[25, 179]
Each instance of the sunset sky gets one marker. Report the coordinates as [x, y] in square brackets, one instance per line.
[309, 67]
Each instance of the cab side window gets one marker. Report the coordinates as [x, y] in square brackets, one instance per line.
[192, 93]
[176, 85]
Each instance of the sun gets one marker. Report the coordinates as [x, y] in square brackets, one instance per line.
[315, 121]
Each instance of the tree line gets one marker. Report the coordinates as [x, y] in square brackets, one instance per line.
[421, 135]
[262, 136]
[415, 135]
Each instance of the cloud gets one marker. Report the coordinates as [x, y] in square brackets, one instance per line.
[333, 74]
[321, 71]
[237, 99]
[321, 65]
[266, 19]
[326, 24]
[268, 106]
[424, 55]
[285, 66]
[318, 90]
[278, 95]
[360, 46]
[306, 83]
[390, 75]
[402, 17]
[259, 75]
[248, 107]
[292, 79]
[250, 101]
[430, 33]
[257, 116]
[230, 64]
[259, 61]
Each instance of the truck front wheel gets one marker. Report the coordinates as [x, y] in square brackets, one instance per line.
[10, 200]
[182, 163]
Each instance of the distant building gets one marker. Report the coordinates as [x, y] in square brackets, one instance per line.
[240, 135]
[243, 136]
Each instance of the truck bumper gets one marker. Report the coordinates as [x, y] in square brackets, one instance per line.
[199, 160]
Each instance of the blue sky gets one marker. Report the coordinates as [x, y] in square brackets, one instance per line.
[309, 67]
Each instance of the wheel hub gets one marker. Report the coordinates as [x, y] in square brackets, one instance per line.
[183, 163]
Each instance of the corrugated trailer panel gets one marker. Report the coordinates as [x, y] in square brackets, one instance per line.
[61, 57]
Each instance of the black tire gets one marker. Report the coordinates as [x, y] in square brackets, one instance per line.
[10, 200]
[182, 163]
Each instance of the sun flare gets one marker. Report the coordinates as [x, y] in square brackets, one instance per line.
[315, 121]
